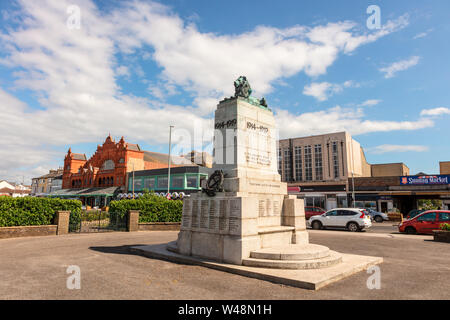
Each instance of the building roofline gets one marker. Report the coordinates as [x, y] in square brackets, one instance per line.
[317, 135]
[389, 163]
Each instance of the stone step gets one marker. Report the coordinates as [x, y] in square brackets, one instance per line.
[292, 252]
[274, 229]
[333, 259]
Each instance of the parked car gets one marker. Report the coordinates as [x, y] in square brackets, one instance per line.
[413, 213]
[313, 211]
[348, 218]
[425, 222]
[377, 216]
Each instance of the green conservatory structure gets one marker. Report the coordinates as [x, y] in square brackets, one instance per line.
[186, 179]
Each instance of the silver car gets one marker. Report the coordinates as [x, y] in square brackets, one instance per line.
[346, 218]
[377, 216]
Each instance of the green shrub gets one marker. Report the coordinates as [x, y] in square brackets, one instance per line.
[91, 215]
[30, 211]
[152, 208]
[445, 226]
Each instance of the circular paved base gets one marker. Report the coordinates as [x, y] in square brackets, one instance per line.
[333, 259]
[292, 252]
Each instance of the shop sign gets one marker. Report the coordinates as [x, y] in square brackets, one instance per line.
[425, 180]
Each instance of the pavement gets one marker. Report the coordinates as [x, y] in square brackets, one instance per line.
[35, 268]
[340, 266]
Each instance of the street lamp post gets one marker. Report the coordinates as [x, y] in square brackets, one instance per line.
[133, 181]
[353, 178]
[168, 161]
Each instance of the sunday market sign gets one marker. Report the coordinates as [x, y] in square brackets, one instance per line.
[423, 180]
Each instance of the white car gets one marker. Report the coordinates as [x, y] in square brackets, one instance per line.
[349, 218]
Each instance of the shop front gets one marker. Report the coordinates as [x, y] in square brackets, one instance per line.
[401, 193]
[324, 196]
[374, 201]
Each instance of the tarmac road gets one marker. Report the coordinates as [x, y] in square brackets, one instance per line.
[35, 268]
[384, 227]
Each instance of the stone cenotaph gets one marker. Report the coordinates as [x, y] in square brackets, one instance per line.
[244, 215]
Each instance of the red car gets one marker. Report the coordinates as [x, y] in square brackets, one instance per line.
[425, 222]
[313, 211]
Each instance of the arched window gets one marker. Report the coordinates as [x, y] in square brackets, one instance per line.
[108, 165]
[112, 180]
[73, 183]
[100, 181]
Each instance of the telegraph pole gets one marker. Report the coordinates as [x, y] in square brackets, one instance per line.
[168, 161]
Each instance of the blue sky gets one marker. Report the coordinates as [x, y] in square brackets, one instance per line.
[135, 67]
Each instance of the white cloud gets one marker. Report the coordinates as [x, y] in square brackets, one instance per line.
[422, 34]
[162, 90]
[339, 119]
[370, 103]
[398, 66]
[391, 148]
[323, 90]
[435, 111]
[73, 73]
[123, 71]
[204, 62]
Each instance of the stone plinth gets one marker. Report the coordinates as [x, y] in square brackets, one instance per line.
[251, 226]
[245, 144]
[254, 210]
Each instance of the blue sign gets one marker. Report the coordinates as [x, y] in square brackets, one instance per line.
[424, 180]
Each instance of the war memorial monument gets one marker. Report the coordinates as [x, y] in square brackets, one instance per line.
[244, 221]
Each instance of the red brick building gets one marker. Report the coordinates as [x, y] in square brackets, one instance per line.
[110, 163]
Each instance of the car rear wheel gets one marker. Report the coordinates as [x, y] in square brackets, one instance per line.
[317, 225]
[410, 230]
[353, 227]
[379, 219]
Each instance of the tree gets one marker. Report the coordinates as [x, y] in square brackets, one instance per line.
[429, 204]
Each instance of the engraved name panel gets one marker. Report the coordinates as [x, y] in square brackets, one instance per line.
[276, 208]
[262, 208]
[204, 213]
[235, 216]
[195, 214]
[187, 214]
[214, 208]
[223, 216]
[269, 207]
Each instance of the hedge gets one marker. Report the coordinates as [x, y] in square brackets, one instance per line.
[30, 211]
[152, 208]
